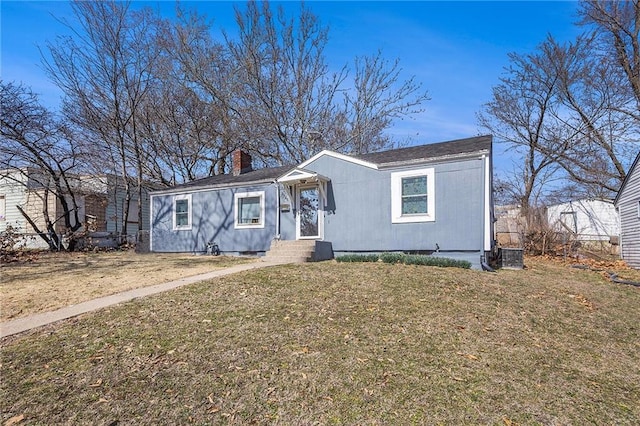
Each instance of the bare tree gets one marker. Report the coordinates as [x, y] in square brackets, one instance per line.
[595, 139]
[200, 79]
[295, 106]
[288, 93]
[617, 25]
[571, 117]
[105, 71]
[37, 153]
[521, 113]
[379, 97]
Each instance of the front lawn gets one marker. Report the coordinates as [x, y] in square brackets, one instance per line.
[47, 281]
[342, 343]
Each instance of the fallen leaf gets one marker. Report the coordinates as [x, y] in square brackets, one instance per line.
[98, 383]
[14, 420]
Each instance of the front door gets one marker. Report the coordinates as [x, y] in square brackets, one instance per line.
[309, 220]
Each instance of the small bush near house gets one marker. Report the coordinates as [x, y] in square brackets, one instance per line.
[358, 258]
[392, 257]
[406, 259]
[436, 261]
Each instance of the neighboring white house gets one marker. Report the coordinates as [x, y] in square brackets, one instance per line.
[99, 198]
[588, 220]
[628, 204]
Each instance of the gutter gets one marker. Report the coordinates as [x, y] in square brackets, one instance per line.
[184, 189]
[440, 159]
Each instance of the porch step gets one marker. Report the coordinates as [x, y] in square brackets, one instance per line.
[291, 251]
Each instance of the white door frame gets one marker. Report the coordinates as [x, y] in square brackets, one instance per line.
[320, 213]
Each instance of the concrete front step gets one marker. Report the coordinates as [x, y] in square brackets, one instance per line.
[287, 259]
[291, 251]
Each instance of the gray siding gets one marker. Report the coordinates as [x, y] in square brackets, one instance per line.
[115, 206]
[358, 214]
[212, 220]
[627, 204]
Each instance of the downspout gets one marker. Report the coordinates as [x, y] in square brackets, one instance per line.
[277, 236]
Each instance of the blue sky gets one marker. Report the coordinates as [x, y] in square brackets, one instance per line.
[456, 49]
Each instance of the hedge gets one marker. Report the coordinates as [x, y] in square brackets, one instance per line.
[406, 259]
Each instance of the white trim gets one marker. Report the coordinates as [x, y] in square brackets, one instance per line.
[299, 175]
[487, 204]
[189, 212]
[150, 223]
[205, 188]
[396, 197]
[340, 157]
[321, 203]
[236, 198]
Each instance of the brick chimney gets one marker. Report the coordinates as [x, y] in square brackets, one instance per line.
[241, 162]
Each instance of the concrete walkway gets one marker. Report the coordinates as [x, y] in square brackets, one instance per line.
[19, 325]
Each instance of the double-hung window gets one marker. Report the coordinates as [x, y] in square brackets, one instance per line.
[249, 209]
[182, 212]
[413, 196]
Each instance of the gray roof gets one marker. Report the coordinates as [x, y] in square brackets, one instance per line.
[429, 151]
[254, 176]
[393, 156]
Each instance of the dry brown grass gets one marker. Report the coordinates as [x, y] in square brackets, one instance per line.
[342, 344]
[49, 281]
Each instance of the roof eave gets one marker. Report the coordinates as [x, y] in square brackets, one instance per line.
[626, 179]
[197, 188]
[439, 159]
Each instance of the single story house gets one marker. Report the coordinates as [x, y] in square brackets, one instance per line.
[421, 199]
[628, 204]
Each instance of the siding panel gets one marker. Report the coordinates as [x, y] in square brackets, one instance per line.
[627, 204]
[212, 220]
[358, 216]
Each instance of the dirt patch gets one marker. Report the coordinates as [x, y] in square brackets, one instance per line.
[53, 280]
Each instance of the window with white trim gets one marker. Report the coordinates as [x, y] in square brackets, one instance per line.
[249, 209]
[413, 196]
[182, 212]
[638, 209]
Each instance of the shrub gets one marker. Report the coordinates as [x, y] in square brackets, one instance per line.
[394, 258]
[436, 261]
[358, 258]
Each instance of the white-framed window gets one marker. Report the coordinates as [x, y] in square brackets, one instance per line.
[413, 196]
[638, 209]
[249, 209]
[182, 212]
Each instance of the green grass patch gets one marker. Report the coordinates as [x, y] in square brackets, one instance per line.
[341, 343]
